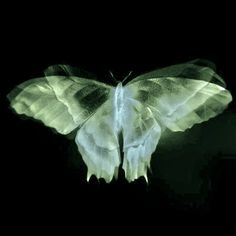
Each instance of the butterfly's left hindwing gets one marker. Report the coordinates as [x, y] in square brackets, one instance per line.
[141, 133]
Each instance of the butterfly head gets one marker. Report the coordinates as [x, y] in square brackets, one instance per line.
[118, 81]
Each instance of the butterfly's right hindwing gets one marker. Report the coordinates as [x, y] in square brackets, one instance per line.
[98, 144]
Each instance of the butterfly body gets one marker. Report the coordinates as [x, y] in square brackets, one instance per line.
[118, 106]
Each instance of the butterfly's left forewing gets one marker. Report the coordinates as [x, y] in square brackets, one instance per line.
[179, 103]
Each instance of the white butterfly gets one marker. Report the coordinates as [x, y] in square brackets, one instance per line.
[176, 97]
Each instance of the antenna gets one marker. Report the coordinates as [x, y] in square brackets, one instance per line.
[113, 77]
[127, 76]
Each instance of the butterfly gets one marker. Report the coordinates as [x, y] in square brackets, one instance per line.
[174, 98]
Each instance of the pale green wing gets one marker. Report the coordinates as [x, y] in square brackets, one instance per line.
[63, 102]
[197, 69]
[141, 133]
[182, 97]
[98, 143]
[171, 98]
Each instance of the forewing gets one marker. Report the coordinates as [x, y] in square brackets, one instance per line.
[61, 102]
[197, 69]
[179, 102]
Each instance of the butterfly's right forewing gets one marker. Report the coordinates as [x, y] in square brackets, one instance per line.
[60, 102]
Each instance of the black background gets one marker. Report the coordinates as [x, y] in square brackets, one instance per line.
[192, 181]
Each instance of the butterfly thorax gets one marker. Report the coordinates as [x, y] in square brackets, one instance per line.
[118, 105]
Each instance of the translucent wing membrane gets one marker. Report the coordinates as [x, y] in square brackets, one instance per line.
[60, 102]
[98, 144]
[196, 69]
[66, 70]
[182, 95]
[141, 133]
[176, 97]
